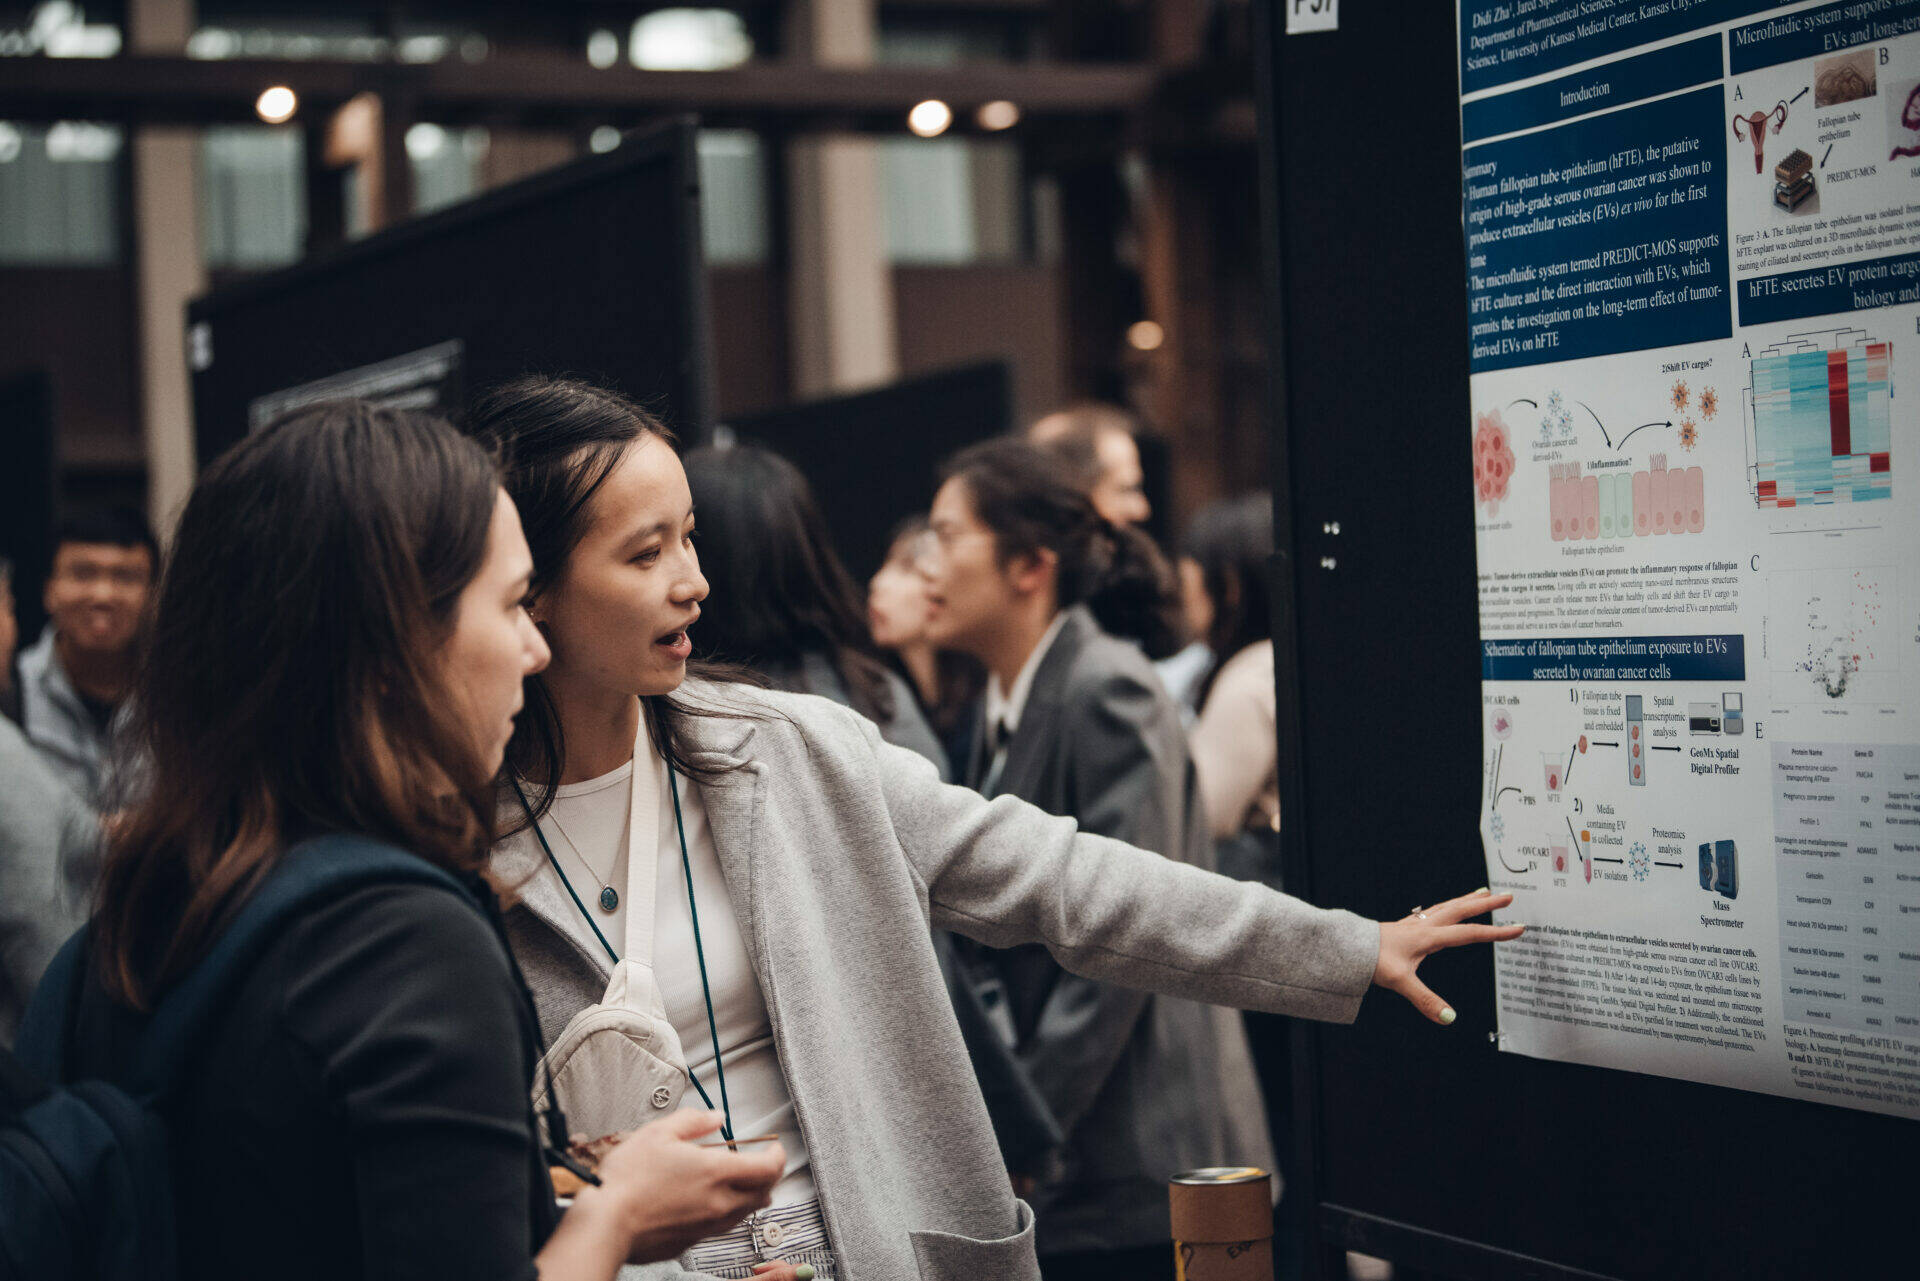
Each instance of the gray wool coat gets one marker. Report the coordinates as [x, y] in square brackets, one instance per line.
[839, 851]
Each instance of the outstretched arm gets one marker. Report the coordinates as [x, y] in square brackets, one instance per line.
[1005, 873]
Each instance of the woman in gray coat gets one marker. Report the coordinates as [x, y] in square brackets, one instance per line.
[768, 881]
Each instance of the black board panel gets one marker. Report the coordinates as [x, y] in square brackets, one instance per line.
[593, 269]
[1422, 1144]
[873, 457]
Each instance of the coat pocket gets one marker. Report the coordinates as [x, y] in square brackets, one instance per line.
[943, 1256]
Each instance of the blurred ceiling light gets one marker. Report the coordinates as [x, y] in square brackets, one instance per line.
[603, 49]
[10, 143]
[997, 115]
[1145, 335]
[930, 119]
[689, 40]
[425, 141]
[276, 105]
[77, 140]
[603, 139]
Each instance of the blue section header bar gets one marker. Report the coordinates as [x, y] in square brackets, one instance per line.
[1506, 40]
[1615, 658]
[1794, 36]
[1831, 291]
[1680, 66]
[1601, 235]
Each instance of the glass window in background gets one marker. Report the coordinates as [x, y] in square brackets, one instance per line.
[60, 194]
[446, 164]
[950, 201]
[733, 197]
[253, 198]
[342, 35]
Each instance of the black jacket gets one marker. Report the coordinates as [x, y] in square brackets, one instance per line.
[361, 1111]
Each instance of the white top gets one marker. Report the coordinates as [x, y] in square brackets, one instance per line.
[594, 814]
[1006, 708]
[1235, 751]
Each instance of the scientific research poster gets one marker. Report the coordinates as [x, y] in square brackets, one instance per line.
[1693, 273]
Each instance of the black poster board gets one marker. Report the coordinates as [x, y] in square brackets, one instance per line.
[873, 457]
[593, 270]
[27, 487]
[1421, 1144]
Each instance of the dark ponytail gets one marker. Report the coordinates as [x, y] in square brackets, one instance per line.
[1028, 499]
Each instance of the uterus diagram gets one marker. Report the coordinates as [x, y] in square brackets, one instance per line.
[1910, 121]
[1755, 125]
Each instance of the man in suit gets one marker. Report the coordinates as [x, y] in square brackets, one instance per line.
[1077, 723]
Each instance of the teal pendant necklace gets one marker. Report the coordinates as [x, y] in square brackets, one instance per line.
[609, 897]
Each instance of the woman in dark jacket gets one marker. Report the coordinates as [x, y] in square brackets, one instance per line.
[339, 648]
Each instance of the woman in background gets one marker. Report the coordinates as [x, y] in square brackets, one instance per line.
[781, 602]
[899, 605]
[1235, 751]
[1078, 724]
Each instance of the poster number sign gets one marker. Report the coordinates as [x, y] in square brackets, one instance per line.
[1312, 15]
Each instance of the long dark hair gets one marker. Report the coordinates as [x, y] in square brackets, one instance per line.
[290, 683]
[1231, 540]
[778, 589]
[556, 441]
[1030, 501]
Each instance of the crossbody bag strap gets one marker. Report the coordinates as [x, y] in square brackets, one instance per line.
[646, 904]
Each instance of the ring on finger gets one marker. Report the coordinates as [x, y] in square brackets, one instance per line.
[1416, 911]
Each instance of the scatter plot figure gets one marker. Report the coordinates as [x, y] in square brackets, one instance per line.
[1839, 637]
[1681, 395]
[1638, 862]
[1493, 461]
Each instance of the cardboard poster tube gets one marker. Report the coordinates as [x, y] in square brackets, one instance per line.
[1222, 1224]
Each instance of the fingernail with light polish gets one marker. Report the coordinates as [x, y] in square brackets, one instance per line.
[1447, 1015]
[804, 1272]
[1483, 890]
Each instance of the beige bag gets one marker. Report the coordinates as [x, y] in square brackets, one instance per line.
[618, 1064]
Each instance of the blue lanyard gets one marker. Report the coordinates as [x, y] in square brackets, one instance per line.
[699, 948]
